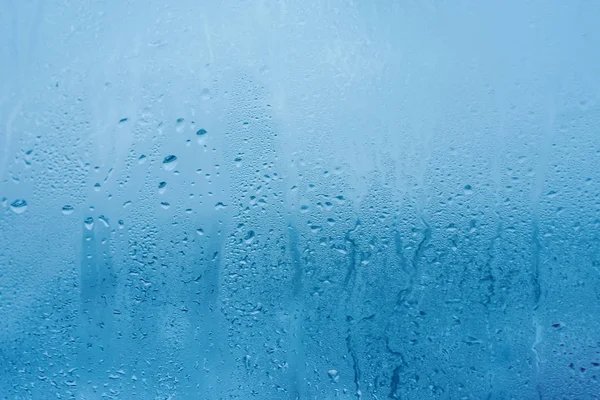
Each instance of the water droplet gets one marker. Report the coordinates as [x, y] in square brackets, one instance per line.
[104, 221]
[179, 127]
[249, 237]
[200, 231]
[219, 206]
[333, 374]
[67, 210]
[169, 162]
[89, 223]
[18, 206]
[127, 204]
[97, 187]
[165, 205]
[142, 159]
[122, 120]
[201, 132]
[162, 187]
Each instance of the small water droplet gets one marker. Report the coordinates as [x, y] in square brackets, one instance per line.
[200, 231]
[18, 206]
[165, 205]
[89, 223]
[122, 120]
[249, 237]
[142, 159]
[67, 210]
[104, 221]
[201, 132]
[180, 125]
[333, 374]
[170, 162]
[97, 187]
[219, 206]
[162, 187]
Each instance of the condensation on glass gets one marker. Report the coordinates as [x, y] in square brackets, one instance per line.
[299, 200]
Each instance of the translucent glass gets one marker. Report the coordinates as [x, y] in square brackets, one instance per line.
[299, 199]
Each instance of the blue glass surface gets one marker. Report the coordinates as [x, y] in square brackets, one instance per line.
[299, 199]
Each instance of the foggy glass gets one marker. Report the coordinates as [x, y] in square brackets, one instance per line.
[299, 199]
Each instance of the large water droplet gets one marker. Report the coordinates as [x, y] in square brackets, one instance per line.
[18, 206]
